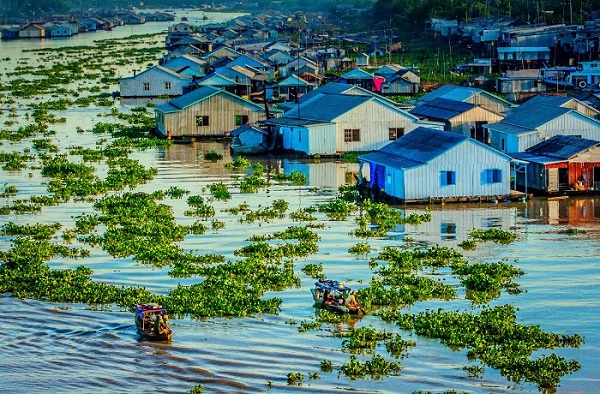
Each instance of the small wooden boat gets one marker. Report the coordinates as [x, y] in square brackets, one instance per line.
[250, 139]
[333, 296]
[145, 315]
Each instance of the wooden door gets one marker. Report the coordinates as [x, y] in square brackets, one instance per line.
[552, 177]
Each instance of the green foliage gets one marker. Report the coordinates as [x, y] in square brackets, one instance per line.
[496, 339]
[337, 209]
[493, 234]
[361, 248]
[314, 270]
[485, 281]
[213, 156]
[295, 378]
[219, 191]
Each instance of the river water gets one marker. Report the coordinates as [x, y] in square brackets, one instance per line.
[71, 348]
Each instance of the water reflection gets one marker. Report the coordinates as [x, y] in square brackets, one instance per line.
[567, 211]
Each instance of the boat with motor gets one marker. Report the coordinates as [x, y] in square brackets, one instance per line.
[145, 315]
[336, 297]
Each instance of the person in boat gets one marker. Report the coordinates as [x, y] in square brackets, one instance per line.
[159, 324]
[328, 298]
[352, 301]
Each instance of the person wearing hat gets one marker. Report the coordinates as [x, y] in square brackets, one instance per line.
[351, 301]
[158, 324]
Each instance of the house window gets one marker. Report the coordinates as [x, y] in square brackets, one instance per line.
[351, 135]
[201, 120]
[240, 120]
[146, 85]
[448, 178]
[396, 132]
[168, 85]
[493, 175]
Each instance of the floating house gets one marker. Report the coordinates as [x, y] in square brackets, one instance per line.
[430, 164]
[471, 95]
[154, 82]
[331, 124]
[32, 31]
[561, 163]
[206, 112]
[458, 116]
[537, 120]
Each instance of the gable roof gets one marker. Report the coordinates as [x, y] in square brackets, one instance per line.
[216, 79]
[248, 60]
[556, 149]
[337, 88]
[326, 108]
[357, 73]
[294, 80]
[459, 93]
[441, 108]
[160, 69]
[198, 95]
[419, 147]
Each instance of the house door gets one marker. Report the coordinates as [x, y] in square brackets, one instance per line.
[552, 176]
[596, 178]
[480, 132]
[563, 179]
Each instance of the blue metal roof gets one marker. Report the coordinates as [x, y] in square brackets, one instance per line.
[328, 107]
[416, 148]
[441, 108]
[562, 147]
[194, 96]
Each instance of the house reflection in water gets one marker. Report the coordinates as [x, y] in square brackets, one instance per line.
[452, 224]
[567, 211]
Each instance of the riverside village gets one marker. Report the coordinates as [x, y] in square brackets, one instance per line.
[383, 196]
[297, 83]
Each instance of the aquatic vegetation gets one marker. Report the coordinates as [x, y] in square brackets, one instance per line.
[177, 192]
[468, 244]
[337, 209]
[326, 366]
[303, 215]
[9, 190]
[495, 338]
[252, 183]
[219, 191]
[213, 156]
[14, 161]
[275, 211]
[314, 270]
[349, 193]
[376, 367]
[361, 248]
[493, 234]
[485, 281]
[574, 231]
[240, 163]
[295, 378]
[37, 231]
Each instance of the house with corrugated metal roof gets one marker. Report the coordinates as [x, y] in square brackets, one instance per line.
[293, 87]
[218, 81]
[193, 65]
[471, 95]
[561, 163]
[206, 112]
[331, 124]
[458, 117]
[432, 164]
[154, 82]
[358, 76]
[404, 81]
[537, 120]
